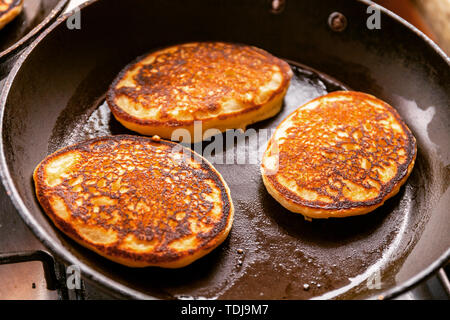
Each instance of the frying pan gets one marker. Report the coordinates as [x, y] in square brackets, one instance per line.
[16, 35]
[54, 96]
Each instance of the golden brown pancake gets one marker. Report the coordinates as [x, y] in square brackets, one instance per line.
[223, 85]
[135, 200]
[339, 155]
[9, 9]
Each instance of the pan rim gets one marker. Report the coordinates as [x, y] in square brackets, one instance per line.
[411, 27]
[28, 37]
[113, 286]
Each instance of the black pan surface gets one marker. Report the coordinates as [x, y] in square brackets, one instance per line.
[48, 105]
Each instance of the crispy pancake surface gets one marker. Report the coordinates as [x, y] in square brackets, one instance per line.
[339, 155]
[135, 200]
[9, 9]
[223, 85]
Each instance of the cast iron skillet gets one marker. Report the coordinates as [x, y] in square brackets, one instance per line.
[35, 16]
[54, 96]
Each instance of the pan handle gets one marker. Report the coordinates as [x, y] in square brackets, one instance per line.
[442, 276]
[47, 260]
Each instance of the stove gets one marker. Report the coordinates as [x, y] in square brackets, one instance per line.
[29, 272]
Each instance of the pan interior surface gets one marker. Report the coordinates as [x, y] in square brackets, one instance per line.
[266, 242]
[270, 253]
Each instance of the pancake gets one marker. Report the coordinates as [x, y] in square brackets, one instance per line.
[9, 9]
[137, 201]
[339, 155]
[222, 85]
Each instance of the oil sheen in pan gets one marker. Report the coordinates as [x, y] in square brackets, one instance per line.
[270, 252]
